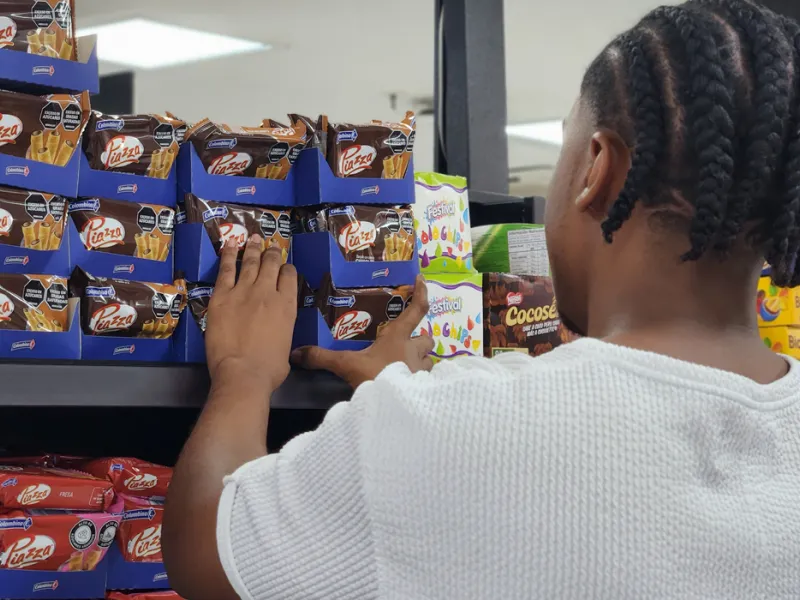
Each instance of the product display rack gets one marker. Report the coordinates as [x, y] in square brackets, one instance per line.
[73, 383]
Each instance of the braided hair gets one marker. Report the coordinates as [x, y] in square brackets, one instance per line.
[707, 96]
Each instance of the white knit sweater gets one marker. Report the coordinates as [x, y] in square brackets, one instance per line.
[595, 471]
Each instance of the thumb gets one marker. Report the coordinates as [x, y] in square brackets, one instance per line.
[316, 358]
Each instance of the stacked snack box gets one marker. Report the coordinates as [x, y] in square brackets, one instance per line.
[778, 314]
[355, 237]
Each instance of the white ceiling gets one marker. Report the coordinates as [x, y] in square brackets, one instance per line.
[345, 58]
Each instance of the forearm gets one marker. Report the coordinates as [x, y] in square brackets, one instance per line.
[231, 431]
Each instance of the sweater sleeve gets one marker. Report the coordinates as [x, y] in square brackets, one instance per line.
[296, 525]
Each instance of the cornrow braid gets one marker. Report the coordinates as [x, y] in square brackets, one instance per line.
[646, 94]
[771, 103]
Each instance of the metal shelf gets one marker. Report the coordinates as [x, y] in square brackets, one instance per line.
[167, 386]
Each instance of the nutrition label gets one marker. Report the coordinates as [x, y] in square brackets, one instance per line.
[527, 252]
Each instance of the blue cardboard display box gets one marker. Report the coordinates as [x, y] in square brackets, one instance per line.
[15, 259]
[315, 254]
[310, 329]
[315, 183]
[188, 340]
[105, 264]
[20, 584]
[38, 176]
[41, 345]
[126, 186]
[123, 575]
[193, 177]
[41, 74]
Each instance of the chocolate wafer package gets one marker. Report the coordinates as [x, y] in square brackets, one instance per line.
[40, 27]
[33, 303]
[121, 308]
[31, 220]
[360, 313]
[377, 150]
[260, 152]
[224, 222]
[520, 315]
[122, 227]
[42, 128]
[306, 297]
[199, 299]
[316, 131]
[368, 233]
[139, 144]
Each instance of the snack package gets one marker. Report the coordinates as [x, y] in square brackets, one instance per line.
[163, 595]
[42, 128]
[131, 476]
[33, 303]
[122, 308]
[517, 248]
[377, 149]
[520, 315]
[225, 221]
[316, 131]
[777, 306]
[126, 228]
[41, 27]
[45, 540]
[366, 233]
[261, 152]
[783, 339]
[139, 144]
[360, 313]
[455, 315]
[51, 488]
[441, 219]
[139, 536]
[306, 297]
[31, 219]
[199, 298]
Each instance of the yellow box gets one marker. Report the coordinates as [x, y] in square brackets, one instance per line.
[785, 340]
[777, 306]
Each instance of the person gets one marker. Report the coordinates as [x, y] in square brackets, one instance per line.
[658, 457]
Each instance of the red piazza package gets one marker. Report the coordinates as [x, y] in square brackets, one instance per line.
[44, 540]
[25, 487]
[139, 537]
[164, 595]
[131, 476]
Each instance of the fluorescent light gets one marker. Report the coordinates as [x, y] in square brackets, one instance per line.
[149, 45]
[549, 132]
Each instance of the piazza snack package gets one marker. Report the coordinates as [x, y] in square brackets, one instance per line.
[316, 131]
[122, 308]
[122, 227]
[40, 27]
[441, 220]
[366, 233]
[260, 152]
[520, 315]
[199, 299]
[306, 297]
[378, 149]
[31, 219]
[162, 595]
[455, 315]
[52, 540]
[139, 537]
[26, 487]
[223, 222]
[360, 313]
[42, 128]
[33, 303]
[131, 476]
[139, 144]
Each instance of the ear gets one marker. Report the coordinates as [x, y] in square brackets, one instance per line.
[610, 161]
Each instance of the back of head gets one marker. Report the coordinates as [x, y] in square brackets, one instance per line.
[706, 96]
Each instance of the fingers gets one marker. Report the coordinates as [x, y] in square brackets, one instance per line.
[271, 263]
[287, 283]
[316, 358]
[226, 278]
[250, 260]
[423, 345]
[407, 322]
[427, 363]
